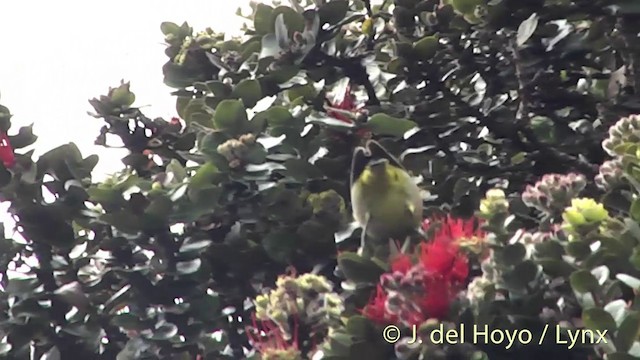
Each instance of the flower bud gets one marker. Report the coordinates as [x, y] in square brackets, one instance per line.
[248, 139]
[626, 130]
[494, 203]
[476, 290]
[610, 174]
[584, 212]
[553, 192]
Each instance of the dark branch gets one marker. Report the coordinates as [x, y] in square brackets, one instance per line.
[353, 69]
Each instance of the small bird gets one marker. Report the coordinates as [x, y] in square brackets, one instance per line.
[386, 201]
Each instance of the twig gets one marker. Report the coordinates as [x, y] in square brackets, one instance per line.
[354, 70]
[367, 5]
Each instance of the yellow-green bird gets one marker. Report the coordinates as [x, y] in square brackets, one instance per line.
[386, 201]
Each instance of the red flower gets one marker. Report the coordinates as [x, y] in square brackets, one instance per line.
[347, 103]
[402, 263]
[435, 280]
[376, 309]
[7, 156]
[442, 257]
[270, 337]
[454, 228]
[438, 300]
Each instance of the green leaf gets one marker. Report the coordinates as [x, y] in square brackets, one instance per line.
[340, 342]
[625, 7]
[185, 142]
[262, 19]
[218, 88]
[207, 307]
[628, 331]
[128, 321]
[307, 92]
[191, 245]
[333, 12]
[513, 254]
[277, 116]
[629, 280]
[461, 188]
[521, 275]
[426, 47]
[550, 249]
[5, 176]
[518, 158]
[601, 273]
[204, 177]
[583, 281]
[197, 111]
[122, 221]
[284, 74]
[121, 96]
[90, 162]
[279, 245]
[359, 269]
[293, 20]
[634, 259]
[21, 286]
[179, 173]
[165, 331]
[466, 6]
[231, 117]
[168, 27]
[188, 267]
[526, 29]
[160, 207]
[302, 170]
[578, 249]
[269, 47]
[597, 319]
[635, 209]
[249, 91]
[383, 124]
[256, 154]
[358, 326]
[23, 138]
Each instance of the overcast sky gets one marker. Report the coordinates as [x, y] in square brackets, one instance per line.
[58, 54]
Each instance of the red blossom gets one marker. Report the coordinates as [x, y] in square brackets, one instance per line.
[273, 337]
[440, 273]
[347, 103]
[7, 156]
[443, 258]
[376, 309]
[438, 299]
[454, 228]
[401, 263]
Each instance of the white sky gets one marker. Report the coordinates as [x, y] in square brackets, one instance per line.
[56, 55]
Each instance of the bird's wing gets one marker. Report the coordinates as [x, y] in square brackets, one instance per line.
[378, 151]
[358, 163]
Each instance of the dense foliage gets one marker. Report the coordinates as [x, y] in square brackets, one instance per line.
[228, 232]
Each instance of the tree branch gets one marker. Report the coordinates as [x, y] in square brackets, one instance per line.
[354, 70]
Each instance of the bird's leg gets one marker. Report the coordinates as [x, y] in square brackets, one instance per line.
[421, 233]
[363, 236]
